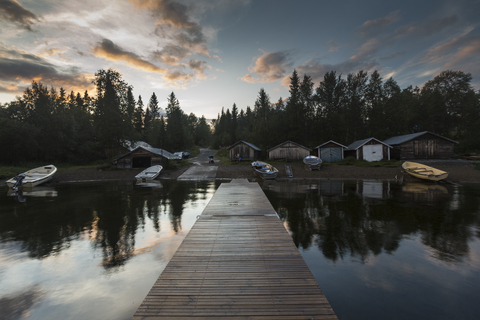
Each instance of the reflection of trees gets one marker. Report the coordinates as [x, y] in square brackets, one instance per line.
[362, 224]
[18, 305]
[110, 213]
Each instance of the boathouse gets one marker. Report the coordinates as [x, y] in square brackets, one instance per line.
[288, 151]
[330, 151]
[245, 150]
[370, 149]
[143, 157]
[421, 145]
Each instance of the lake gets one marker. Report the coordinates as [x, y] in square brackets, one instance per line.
[376, 248]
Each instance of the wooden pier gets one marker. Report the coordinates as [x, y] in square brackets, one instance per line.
[237, 262]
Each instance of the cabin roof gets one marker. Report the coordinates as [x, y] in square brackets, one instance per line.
[156, 151]
[407, 137]
[289, 141]
[251, 145]
[357, 144]
[331, 141]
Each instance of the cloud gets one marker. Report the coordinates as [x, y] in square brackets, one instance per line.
[199, 68]
[109, 50]
[174, 22]
[457, 53]
[373, 27]
[171, 54]
[426, 28]
[333, 45]
[270, 66]
[18, 69]
[13, 11]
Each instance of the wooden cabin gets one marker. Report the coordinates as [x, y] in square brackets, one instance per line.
[370, 149]
[421, 145]
[143, 157]
[245, 150]
[330, 151]
[289, 151]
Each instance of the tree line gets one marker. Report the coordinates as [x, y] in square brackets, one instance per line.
[358, 106]
[49, 125]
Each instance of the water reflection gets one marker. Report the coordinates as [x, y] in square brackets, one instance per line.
[109, 214]
[365, 218]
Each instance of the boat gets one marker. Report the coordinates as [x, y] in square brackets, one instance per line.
[149, 174]
[312, 162]
[424, 172]
[264, 170]
[32, 177]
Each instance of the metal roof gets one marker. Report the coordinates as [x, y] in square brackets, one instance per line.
[341, 145]
[288, 141]
[156, 151]
[357, 144]
[407, 137]
[247, 143]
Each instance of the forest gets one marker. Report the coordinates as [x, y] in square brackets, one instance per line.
[357, 107]
[46, 124]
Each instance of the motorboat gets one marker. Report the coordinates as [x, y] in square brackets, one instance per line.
[312, 162]
[423, 171]
[264, 170]
[33, 177]
[150, 173]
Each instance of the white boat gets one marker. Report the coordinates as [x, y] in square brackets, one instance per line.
[312, 162]
[265, 170]
[33, 177]
[149, 174]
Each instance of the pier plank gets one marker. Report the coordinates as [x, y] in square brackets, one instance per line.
[237, 262]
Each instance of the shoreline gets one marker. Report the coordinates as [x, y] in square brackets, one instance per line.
[458, 172]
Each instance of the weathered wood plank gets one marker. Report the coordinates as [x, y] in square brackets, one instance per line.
[237, 262]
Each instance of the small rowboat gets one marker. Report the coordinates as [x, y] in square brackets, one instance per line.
[32, 177]
[424, 172]
[312, 162]
[149, 174]
[264, 170]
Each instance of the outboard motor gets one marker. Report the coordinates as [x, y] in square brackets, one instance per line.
[19, 178]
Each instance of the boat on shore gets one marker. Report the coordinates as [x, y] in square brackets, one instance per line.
[149, 174]
[423, 171]
[33, 177]
[312, 162]
[265, 170]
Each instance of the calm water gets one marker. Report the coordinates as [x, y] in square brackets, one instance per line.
[377, 249]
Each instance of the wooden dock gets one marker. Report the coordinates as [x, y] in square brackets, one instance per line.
[237, 262]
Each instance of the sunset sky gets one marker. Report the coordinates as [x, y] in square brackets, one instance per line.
[213, 53]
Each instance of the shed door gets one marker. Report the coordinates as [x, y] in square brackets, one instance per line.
[331, 154]
[373, 152]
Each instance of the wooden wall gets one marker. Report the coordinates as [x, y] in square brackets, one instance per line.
[288, 151]
[426, 146]
[246, 152]
[130, 161]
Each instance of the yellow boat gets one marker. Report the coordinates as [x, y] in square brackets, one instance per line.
[422, 171]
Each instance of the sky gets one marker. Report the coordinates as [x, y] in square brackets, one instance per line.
[214, 53]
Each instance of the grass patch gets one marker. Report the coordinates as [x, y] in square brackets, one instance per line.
[351, 161]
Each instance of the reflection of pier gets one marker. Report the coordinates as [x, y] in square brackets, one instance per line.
[237, 261]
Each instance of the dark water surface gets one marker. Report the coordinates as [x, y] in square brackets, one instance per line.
[384, 251]
[378, 250]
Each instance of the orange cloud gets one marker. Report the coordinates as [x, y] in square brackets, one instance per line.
[270, 66]
[108, 50]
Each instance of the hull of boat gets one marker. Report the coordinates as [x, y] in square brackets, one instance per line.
[149, 174]
[35, 177]
[312, 163]
[424, 172]
[265, 170]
